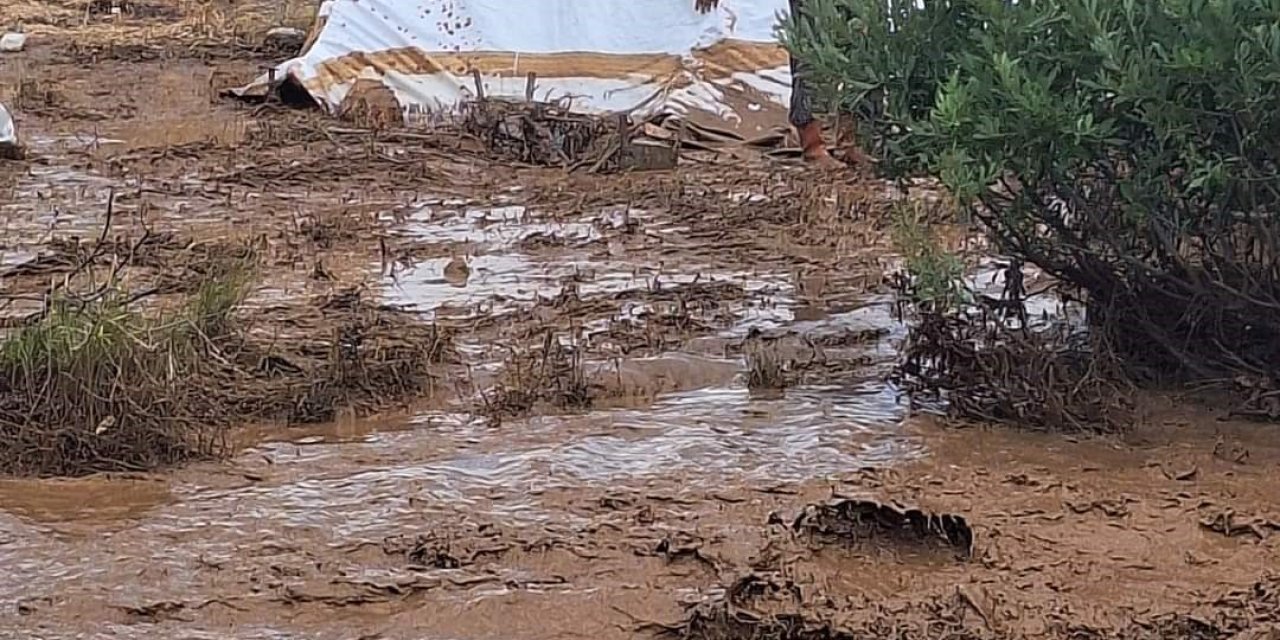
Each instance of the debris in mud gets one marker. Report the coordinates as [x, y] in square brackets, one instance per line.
[1230, 451]
[151, 49]
[440, 552]
[29, 606]
[37, 97]
[10, 146]
[132, 9]
[767, 368]
[13, 42]
[156, 611]
[170, 610]
[759, 607]
[1231, 524]
[636, 322]
[1041, 379]
[680, 546]
[1260, 398]
[357, 591]
[285, 41]
[1110, 508]
[371, 104]
[1239, 614]
[550, 135]
[771, 607]
[853, 521]
[346, 354]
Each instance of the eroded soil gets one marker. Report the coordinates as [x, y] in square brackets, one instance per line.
[590, 462]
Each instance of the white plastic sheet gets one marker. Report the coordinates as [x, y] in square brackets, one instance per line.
[641, 56]
[8, 131]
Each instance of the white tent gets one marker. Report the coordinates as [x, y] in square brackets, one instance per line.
[8, 133]
[723, 69]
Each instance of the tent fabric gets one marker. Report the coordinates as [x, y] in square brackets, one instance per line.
[655, 57]
[8, 132]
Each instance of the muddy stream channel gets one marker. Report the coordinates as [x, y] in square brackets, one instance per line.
[422, 515]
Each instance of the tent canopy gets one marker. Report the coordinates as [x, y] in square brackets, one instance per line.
[723, 69]
[8, 132]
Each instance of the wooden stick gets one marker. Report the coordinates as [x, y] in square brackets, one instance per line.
[530, 81]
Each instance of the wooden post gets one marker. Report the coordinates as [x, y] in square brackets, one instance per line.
[475, 77]
[530, 82]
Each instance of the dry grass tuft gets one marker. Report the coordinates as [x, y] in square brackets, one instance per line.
[552, 376]
[118, 379]
[767, 368]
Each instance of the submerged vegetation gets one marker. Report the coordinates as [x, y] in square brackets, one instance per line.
[549, 375]
[986, 357]
[1128, 150]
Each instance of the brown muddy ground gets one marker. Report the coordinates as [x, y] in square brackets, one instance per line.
[638, 490]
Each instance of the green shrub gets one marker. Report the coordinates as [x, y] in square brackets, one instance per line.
[936, 275]
[1127, 147]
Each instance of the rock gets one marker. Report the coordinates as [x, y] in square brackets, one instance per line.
[649, 155]
[12, 42]
[10, 149]
[285, 39]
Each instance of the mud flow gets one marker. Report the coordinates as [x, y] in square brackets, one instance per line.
[467, 396]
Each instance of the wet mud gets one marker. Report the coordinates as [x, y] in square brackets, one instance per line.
[663, 411]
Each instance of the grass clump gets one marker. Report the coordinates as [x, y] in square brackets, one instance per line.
[98, 384]
[107, 382]
[552, 375]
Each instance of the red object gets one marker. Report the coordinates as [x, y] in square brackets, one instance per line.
[811, 141]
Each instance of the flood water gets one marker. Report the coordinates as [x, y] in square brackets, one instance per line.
[294, 500]
[442, 522]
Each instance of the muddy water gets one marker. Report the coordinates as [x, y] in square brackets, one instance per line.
[232, 544]
[99, 545]
[442, 524]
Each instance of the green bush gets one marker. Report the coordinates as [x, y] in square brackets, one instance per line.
[1127, 147]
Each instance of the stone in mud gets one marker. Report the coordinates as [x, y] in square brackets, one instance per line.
[10, 147]
[13, 42]
[865, 520]
[649, 155]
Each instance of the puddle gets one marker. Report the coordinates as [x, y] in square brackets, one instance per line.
[91, 500]
[55, 198]
[495, 227]
[51, 200]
